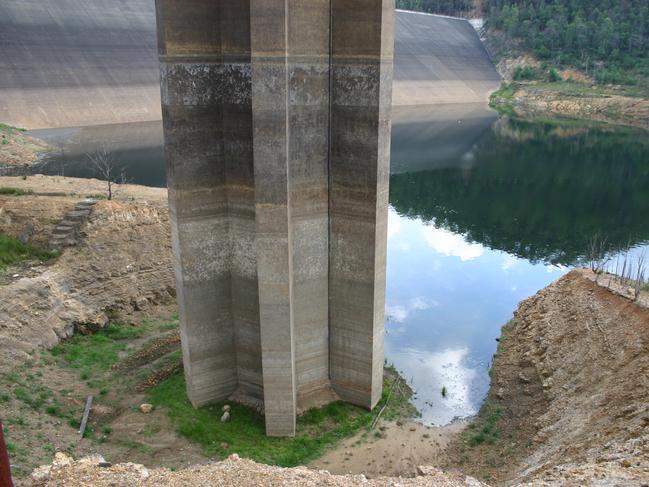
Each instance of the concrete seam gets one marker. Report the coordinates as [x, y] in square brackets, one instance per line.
[329, 139]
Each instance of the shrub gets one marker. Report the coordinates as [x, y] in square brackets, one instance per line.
[525, 73]
[553, 76]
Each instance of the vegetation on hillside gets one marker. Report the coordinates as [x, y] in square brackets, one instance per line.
[608, 39]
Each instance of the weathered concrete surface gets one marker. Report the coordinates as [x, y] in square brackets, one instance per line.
[440, 60]
[277, 131]
[207, 118]
[362, 52]
[77, 62]
[69, 63]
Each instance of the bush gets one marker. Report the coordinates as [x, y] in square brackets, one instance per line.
[525, 73]
[554, 76]
[613, 75]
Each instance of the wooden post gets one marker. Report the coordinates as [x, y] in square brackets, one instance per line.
[86, 413]
[5, 468]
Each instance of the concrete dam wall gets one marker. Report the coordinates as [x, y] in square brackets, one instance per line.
[69, 63]
[66, 63]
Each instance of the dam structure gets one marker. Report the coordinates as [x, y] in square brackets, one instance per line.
[276, 119]
[79, 63]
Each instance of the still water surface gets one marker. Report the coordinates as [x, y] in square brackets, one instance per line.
[485, 211]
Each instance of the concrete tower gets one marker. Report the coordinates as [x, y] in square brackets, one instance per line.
[277, 137]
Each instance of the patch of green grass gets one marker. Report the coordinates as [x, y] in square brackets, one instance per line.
[34, 394]
[96, 353]
[11, 447]
[486, 429]
[526, 73]
[4, 126]
[54, 410]
[245, 433]
[13, 251]
[8, 191]
[17, 420]
[506, 91]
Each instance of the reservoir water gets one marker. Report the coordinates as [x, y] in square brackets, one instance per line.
[484, 212]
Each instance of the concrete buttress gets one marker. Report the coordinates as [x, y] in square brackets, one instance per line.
[276, 118]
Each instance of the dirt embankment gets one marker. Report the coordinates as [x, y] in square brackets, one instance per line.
[122, 262]
[570, 392]
[573, 95]
[17, 148]
[530, 101]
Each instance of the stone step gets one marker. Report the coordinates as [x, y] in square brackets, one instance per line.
[62, 231]
[58, 243]
[67, 224]
[84, 206]
[77, 216]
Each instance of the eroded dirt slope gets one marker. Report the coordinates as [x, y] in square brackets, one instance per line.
[123, 261]
[571, 384]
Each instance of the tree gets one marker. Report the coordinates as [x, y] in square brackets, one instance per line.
[105, 165]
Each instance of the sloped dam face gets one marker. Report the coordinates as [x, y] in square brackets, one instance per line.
[71, 63]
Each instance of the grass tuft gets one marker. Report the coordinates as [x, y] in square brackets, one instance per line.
[8, 191]
[13, 251]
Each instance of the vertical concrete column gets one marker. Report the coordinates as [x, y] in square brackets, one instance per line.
[204, 51]
[290, 65]
[362, 51]
[269, 35]
[308, 62]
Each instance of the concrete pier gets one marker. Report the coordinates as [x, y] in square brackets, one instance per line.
[277, 136]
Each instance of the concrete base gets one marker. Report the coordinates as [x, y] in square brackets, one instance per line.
[277, 136]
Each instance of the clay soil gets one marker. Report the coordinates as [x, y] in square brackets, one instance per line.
[120, 272]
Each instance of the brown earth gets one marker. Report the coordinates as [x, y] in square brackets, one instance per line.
[587, 102]
[531, 101]
[570, 384]
[18, 148]
[397, 450]
[121, 269]
[122, 262]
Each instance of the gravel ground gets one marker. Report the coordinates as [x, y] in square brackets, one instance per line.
[233, 472]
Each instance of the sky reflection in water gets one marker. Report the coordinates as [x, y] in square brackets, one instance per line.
[446, 302]
[484, 213]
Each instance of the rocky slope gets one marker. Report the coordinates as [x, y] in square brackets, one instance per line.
[571, 382]
[122, 261]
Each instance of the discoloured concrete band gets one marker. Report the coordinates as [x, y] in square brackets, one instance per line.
[276, 119]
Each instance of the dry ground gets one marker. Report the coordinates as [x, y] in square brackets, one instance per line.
[569, 400]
